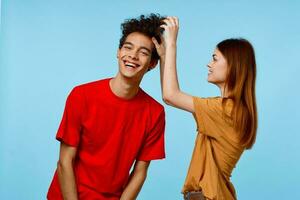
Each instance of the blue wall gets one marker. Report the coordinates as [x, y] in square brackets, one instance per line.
[48, 47]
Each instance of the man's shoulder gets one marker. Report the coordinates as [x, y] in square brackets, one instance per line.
[154, 104]
[90, 86]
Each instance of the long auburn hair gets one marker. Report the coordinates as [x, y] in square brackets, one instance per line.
[240, 84]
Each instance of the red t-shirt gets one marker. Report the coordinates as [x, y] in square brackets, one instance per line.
[110, 133]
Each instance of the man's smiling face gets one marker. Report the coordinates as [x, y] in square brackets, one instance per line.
[134, 57]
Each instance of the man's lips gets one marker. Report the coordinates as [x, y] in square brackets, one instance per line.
[131, 64]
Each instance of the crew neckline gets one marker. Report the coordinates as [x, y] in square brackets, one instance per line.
[120, 98]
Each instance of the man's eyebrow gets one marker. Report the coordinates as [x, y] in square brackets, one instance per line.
[128, 43]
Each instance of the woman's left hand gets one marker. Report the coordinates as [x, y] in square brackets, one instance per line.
[169, 36]
[170, 33]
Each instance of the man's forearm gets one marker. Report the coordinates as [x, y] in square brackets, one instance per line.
[67, 181]
[134, 186]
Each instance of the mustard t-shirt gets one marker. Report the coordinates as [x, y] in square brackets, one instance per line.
[216, 151]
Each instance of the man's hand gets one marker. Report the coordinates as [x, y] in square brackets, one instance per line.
[137, 178]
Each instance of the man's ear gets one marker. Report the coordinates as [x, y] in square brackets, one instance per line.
[152, 65]
[118, 53]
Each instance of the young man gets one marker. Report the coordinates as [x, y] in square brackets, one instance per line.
[111, 124]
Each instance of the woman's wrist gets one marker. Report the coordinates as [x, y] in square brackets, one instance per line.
[162, 57]
[171, 44]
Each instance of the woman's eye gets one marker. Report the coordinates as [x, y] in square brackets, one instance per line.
[127, 47]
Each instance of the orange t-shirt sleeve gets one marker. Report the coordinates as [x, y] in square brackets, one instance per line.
[208, 115]
[153, 147]
[70, 125]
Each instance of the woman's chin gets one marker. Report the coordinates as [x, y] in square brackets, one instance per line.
[209, 80]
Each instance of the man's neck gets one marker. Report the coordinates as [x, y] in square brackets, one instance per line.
[123, 87]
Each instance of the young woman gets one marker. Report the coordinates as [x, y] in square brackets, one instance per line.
[226, 125]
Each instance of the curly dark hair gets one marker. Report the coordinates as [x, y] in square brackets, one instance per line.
[148, 25]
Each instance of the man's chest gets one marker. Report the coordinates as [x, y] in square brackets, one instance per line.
[108, 123]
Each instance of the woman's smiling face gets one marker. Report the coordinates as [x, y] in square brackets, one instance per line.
[217, 69]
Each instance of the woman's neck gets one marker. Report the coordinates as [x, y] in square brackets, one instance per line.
[223, 90]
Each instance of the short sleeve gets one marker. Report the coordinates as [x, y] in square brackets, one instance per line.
[154, 145]
[70, 127]
[208, 115]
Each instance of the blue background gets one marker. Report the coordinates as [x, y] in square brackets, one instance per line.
[48, 47]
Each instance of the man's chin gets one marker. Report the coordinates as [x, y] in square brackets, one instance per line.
[134, 75]
[130, 76]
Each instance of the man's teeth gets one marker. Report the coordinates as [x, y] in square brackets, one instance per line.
[128, 64]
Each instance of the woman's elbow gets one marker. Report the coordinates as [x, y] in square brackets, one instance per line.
[167, 99]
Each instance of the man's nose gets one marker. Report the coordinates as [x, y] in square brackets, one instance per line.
[133, 55]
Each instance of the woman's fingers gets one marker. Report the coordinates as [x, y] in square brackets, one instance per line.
[156, 44]
[163, 26]
[170, 27]
[167, 22]
[171, 21]
[174, 21]
[159, 47]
